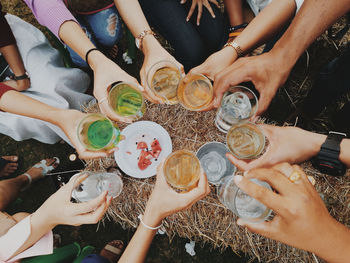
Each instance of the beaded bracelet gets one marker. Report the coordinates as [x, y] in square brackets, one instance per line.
[147, 226]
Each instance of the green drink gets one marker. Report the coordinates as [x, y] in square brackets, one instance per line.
[126, 101]
[96, 132]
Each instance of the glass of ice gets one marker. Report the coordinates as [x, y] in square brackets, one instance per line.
[238, 104]
[212, 157]
[163, 78]
[241, 204]
[97, 183]
[245, 140]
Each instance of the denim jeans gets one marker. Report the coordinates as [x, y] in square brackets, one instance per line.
[192, 43]
[100, 30]
[94, 258]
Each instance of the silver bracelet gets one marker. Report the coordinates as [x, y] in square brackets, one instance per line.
[147, 226]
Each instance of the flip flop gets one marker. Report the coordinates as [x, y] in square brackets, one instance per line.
[45, 171]
[114, 249]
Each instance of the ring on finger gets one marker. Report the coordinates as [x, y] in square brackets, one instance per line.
[294, 177]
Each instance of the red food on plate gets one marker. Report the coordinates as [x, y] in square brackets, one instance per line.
[144, 160]
[141, 145]
[156, 149]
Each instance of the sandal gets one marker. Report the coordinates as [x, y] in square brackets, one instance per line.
[45, 170]
[113, 250]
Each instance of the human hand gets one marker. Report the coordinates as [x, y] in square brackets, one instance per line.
[68, 122]
[19, 85]
[106, 72]
[282, 148]
[267, 72]
[300, 213]
[154, 53]
[164, 201]
[59, 210]
[200, 4]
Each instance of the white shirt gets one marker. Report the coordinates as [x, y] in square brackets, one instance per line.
[258, 5]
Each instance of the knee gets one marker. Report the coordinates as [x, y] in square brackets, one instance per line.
[113, 32]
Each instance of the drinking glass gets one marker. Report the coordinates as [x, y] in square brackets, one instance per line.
[164, 78]
[245, 140]
[182, 170]
[212, 157]
[126, 100]
[195, 92]
[240, 203]
[238, 104]
[96, 132]
[97, 183]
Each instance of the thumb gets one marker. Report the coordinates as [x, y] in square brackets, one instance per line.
[264, 102]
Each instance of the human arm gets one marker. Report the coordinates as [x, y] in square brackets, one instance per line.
[163, 202]
[300, 213]
[68, 120]
[270, 71]
[58, 210]
[268, 22]
[132, 14]
[292, 145]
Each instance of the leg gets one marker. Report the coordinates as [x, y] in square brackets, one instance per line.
[213, 31]
[105, 26]
[168, 17]
[10, 188]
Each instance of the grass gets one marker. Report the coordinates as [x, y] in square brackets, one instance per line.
[31, 151]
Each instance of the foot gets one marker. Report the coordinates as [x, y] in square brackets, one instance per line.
[10, 167]
[37, 172]
[113, 250]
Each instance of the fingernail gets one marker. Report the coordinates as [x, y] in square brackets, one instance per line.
[187, 19]
[197, 23]
[237, 178]
[141, 88]
[16, 158]
[214, 16]
[245, 173]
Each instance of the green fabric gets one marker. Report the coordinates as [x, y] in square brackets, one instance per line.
[84, 252]
[66, 254]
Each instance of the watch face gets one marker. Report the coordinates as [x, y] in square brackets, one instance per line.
[329, 167]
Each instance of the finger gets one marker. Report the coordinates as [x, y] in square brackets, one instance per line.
[262, 161]
[215, 3]
[112, 150]
[190, 13]
[197, 193]
[267, 228]
[87, 155]
[95, 216]
[264, 102]
[200, 11]
[75, 181]
[208, 6]
[262, 194]
[303, 177]
[183, 1]
[12, 165]
[277, 180]
[285, 168]
[87, 207]
[161, 181]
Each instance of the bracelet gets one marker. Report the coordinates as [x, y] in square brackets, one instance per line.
[147, 226]
[236, 47]
[234, 28]
[21, 77]
[139, 38]
[87, 54]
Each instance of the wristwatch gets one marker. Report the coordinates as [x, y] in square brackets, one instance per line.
[327, 160]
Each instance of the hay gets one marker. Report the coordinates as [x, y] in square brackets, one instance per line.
[209, 221]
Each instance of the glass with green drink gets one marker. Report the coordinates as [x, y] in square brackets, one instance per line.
[126, 100]
[98, 133]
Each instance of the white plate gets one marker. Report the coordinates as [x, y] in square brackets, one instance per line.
[126, 156]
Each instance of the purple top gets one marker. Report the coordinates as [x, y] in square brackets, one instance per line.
[52, 13]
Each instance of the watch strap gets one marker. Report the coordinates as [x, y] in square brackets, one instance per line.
[21, 77]
[332, 144]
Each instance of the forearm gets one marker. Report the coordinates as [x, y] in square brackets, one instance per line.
[137, 248]
[334, 246]
[72, 34]
[132, 15]
[314, 17]
[14, 59]
[268, 22]
[235, 11]
[17, 103]
[40, 226]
